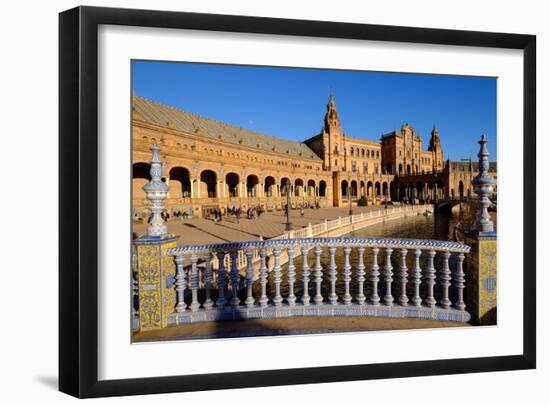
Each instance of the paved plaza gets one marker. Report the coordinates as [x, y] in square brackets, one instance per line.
[270, 224]
[288, 326]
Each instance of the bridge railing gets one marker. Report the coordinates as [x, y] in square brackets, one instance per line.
[307, 284]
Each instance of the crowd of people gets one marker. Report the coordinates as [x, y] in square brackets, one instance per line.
[251, 213]
[179, 214]
[254, 212]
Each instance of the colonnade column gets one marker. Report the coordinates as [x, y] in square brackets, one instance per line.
[192, 181]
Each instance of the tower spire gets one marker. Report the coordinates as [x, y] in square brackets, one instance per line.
[331, 117]
[331, 98]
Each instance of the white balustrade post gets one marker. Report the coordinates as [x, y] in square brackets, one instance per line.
[278, 299]
[194, 283]
[201, 277]
[374, 274]
[361, 275]
[430, 279]
[445, 280]
[403, 299]
[347, 275]
[180, 285]
[249, 302]
[333, 298]
[235, 301]
[416, 276]
[156, 191]
[459, 283]
[208, 303]
[388, 278]
[222, 301]
[263, 277]
[291, 299]
[305, 276]
[318, 275]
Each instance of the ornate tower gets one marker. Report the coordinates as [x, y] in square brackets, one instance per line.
[437, 150]
[334, 150]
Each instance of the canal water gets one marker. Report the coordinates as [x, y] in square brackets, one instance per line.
[438, 226]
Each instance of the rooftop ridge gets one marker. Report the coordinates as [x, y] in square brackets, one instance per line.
[282, 145]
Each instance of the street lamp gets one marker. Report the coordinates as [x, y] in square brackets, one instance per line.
[288, 224]
[349, 198]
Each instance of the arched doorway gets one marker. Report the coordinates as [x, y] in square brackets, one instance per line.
[362, 188]
[420, 191]
[285, 186]
[461, 190]
[402, 192]
[252, 185]
[431, 192]
[385, 189]
[269, 186]
[369, 189]
[208, 184]
[311, 188]
[353, 189]
[298, 187]
[232, 183]
[180, 183]
[440, 190]
[377, 189]
[322, 188]
[388, 168]
[344, 188]
[140, 176]
[411, 192]
[408, 169]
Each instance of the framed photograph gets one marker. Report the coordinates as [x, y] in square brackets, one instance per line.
[251, 201]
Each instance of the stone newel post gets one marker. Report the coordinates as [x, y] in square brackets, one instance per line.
[156, 270]
[156, 191]
[483, 187]
[482, 269]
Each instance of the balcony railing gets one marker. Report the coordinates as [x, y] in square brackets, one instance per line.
[209, 285]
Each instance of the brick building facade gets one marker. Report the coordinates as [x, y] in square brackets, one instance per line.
[211, 164]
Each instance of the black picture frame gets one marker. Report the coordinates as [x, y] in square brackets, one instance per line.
[78, 196]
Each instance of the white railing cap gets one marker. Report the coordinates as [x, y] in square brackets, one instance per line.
[373, 242]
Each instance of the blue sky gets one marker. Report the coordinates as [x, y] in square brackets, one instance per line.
[291, 102]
